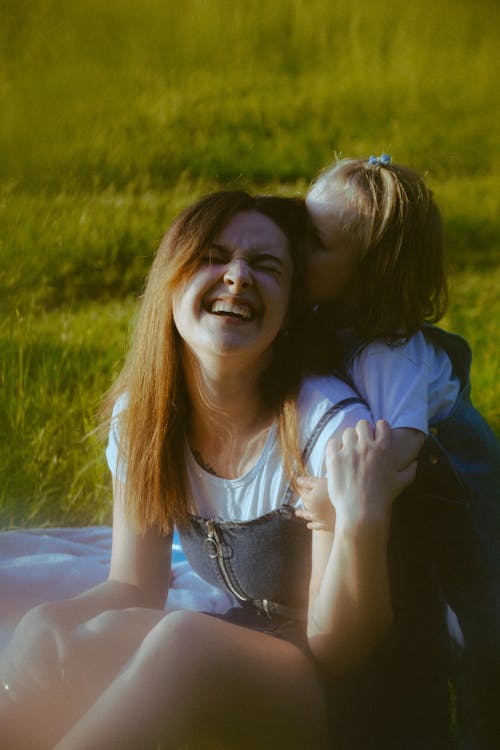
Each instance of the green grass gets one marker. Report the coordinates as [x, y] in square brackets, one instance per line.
[115, 115]
[127, 91]
[55, 366]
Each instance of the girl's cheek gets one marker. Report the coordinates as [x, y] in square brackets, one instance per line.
[322, 279]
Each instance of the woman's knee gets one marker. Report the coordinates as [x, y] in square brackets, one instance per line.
[213, 669]
[34, 659]
[172, 661]
[180, 634]
[39, 626]
[177, 648]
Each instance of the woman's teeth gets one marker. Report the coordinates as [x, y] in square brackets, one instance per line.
[244, 312]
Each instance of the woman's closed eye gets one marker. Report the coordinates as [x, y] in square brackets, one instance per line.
[215, 256]
[267, 263]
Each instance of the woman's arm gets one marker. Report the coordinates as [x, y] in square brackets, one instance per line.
[350, 607]
[138, 577]
[140, 562]
[64, 653]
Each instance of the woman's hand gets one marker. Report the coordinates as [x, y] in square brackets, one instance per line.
[363, 475]
[350, 606]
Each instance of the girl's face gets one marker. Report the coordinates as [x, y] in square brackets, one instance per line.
[236, 302]
[333, 262]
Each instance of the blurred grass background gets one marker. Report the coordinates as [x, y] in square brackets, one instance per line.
[115, 115]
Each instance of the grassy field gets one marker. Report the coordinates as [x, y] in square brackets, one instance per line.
[115, 115]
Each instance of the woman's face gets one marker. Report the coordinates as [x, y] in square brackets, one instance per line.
[332, 262]
[236, 302]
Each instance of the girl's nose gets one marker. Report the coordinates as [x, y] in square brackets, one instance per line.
[238, 274]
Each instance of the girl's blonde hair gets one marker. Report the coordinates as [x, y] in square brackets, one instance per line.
[393, 223]
[152, 424]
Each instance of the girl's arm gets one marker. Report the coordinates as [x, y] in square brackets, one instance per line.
[408, 385]
[406, 443]
[350, 607]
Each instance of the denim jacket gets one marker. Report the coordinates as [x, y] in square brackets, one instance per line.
[468, 560]
[435, 680]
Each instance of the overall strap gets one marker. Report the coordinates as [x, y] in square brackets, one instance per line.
[313, 437]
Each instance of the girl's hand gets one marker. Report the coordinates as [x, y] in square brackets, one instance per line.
[318, 510]
[363, 477]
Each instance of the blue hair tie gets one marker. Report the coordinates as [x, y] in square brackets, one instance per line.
[381, 161]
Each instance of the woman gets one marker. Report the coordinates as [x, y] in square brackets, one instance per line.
[211, 422]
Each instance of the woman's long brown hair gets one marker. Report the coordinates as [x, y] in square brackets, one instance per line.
[152, 424]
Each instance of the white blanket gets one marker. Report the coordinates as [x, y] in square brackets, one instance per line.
[40, 565]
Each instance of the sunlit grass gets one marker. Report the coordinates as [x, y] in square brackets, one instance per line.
[105, 93]
[116, 115]
[57, 364]
[58, 249]
[475, 314]
[55, 368]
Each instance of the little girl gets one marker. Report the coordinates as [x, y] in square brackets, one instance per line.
[377, 275]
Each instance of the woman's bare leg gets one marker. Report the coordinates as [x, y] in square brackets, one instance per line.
[53, 675]
[195, 675]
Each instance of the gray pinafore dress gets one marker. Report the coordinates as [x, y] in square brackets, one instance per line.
[264, 563]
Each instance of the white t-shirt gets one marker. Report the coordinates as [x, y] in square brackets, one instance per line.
[409, 386]
[263, 487]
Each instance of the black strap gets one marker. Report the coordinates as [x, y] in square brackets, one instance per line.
[313, 437]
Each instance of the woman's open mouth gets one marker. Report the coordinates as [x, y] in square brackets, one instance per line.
[238, 310]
